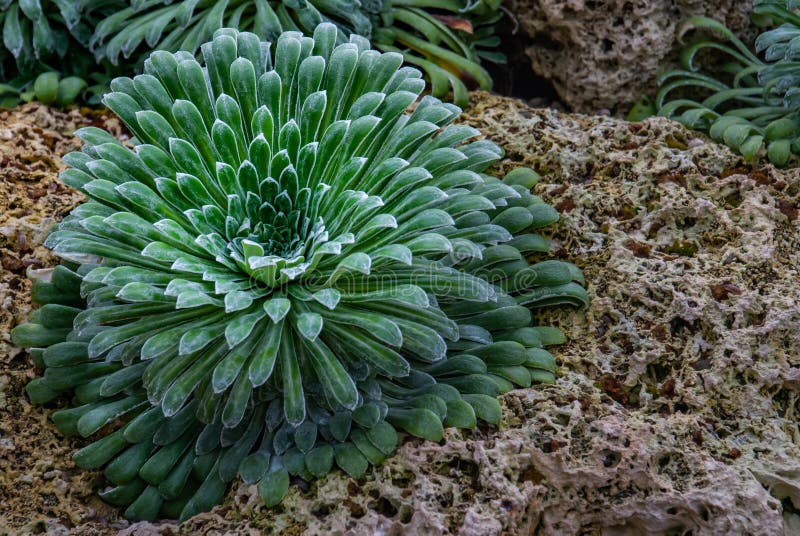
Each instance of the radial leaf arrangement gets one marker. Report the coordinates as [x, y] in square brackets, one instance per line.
[287, 269]
[446, 38]
[757, 107]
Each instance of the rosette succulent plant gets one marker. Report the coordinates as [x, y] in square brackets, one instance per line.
[446, 38]
[758, 106]
[287, 268]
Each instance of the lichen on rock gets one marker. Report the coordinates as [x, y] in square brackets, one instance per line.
[676, 406]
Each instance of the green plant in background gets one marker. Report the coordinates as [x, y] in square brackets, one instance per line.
[446, 38]
[36, 33]
[43, 39]
[642, 109]
[758, 106]
[47, 88]
[288, 268]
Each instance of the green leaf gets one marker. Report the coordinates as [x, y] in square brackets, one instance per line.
[228, 369]
[751, 147]
[328, 297]
[277, 308]
[263, 362]
[305, 436]
[171, 487]
[320, 460]
[36, 335]
[779, 151]
[357, 262]
[97, 454]
[419, 422]
[232, 458]
[376, 325]
[334, 377]
[780, 129]
[383, 436]
[207, 495]
[294, 406]
[125, 494]
[525, 177]
[350, 460]
[68, 90]
[123, 379]
[240, 327]
[460, 414]
[367, 415]
[486, 408]
[13, 38]
[340, 425]
[373, 351]
[125, 467]
[191, 341]
[254, 466]
[238, 401]
[146, 506]
[39, 392]
[176, 395]
[160, 464]
[366, 448]
[309, 325]
[144, 425]
[274, 486]
[65, 353]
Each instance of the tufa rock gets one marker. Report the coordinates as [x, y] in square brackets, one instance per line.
[606, 54]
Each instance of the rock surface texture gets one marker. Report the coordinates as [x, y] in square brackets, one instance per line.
[608, 53]
[677, 405]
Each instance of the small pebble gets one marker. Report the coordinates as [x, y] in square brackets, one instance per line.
[695, 142]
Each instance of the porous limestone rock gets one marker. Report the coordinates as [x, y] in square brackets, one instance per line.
[676, 406]
[608, 53]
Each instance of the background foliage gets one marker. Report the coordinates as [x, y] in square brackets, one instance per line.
[95, 40]
[754, 104]
[51, 36]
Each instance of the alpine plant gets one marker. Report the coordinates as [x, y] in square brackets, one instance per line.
[287, 269]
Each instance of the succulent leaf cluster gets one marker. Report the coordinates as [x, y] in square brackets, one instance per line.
[447, 39]
[288, 268]
[757, 107]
